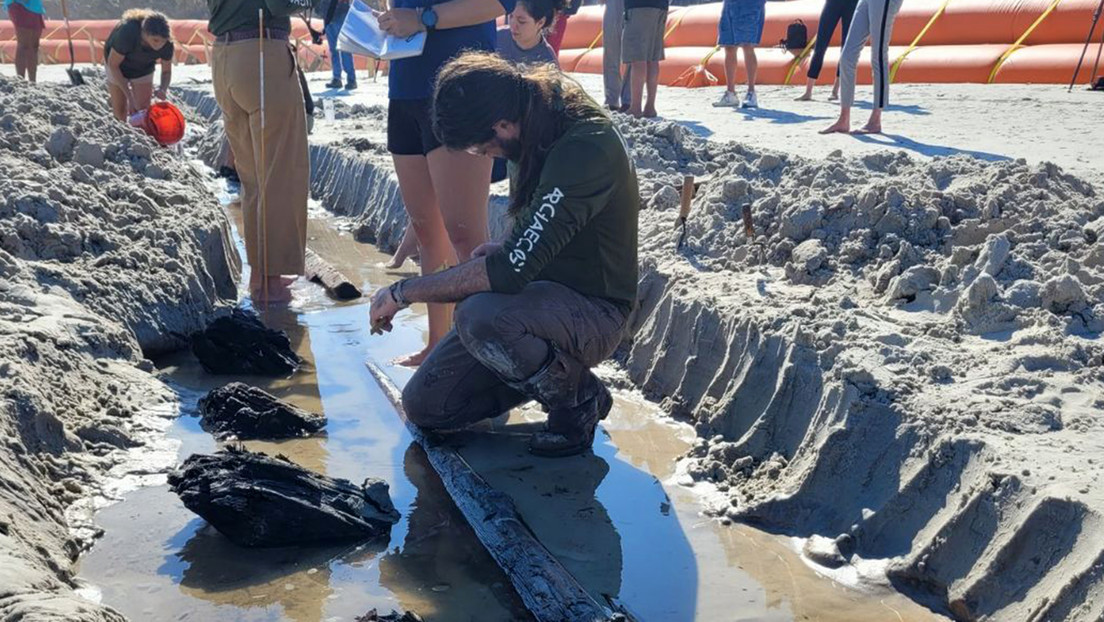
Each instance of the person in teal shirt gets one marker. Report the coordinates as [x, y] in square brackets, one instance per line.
[29, 19]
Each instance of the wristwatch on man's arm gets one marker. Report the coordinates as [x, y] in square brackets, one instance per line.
[429, 18]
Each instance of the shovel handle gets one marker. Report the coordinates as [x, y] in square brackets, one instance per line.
[687, 196]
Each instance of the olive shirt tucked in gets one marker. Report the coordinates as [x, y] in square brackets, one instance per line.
[228, 15]
[139, 60]
[580, 227]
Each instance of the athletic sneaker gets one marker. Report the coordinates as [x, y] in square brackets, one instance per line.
[350, 85]
[750, 101]
[728, 100]
[334, 84]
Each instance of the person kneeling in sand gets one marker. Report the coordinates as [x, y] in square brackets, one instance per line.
[538, 310]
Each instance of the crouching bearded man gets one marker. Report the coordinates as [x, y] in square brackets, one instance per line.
[536, 312]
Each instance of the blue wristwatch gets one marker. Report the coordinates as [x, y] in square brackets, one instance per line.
[429, 18]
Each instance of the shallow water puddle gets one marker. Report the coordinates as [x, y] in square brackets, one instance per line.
[613, 524]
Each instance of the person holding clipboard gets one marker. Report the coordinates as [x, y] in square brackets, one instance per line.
[445, 191]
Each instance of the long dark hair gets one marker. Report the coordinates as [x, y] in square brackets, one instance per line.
[477, 90]
[153, 23]
[547, 10]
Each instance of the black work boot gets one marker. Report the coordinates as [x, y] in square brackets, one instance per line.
[576, 401]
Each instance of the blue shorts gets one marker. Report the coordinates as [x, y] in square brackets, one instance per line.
[742, 22]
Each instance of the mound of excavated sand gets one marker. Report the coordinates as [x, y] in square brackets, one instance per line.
[905, 362]
[110, 249]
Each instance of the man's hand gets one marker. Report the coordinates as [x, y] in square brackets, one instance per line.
[401, 23]
[486, 249]
[382, 311]
[161, 93]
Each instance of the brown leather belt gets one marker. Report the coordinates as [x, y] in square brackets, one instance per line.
[255, 33]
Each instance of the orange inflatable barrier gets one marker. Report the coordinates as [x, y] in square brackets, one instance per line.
[1041, 64]
[933, 41]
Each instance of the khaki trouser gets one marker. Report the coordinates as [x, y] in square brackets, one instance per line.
[278, 210]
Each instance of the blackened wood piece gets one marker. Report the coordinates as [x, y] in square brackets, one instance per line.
[240, 344]
[244, 412]
[259, 501]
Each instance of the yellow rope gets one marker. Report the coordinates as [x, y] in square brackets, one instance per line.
[1017, 45]
[800, 57]
[708, 57]
[916, 41]
[590, 47]
[678, 22]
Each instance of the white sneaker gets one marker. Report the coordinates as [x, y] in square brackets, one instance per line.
[728, 100]
[750, 101]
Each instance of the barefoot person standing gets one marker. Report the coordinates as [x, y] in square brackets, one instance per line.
[834, 12]
[274, 200]
[445, 191]
[29, 19]
[138, 43]
[537, 311]
[642, 48]
[874, 20]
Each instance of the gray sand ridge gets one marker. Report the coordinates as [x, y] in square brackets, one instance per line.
[906, 360]
[110, 249]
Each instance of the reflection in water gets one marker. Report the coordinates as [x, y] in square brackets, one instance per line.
[439, 552]
[297, 579]
[557, 498]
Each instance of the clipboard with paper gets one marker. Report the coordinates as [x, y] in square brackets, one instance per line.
[361, 35]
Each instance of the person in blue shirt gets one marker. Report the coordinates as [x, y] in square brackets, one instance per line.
[445, 192]
[333, 13]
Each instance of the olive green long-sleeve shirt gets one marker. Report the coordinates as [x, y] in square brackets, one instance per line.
[227, 15]
[580, 227]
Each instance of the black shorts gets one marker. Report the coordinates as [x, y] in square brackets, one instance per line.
[409, 128]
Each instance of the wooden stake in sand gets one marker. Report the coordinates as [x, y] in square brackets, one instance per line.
[684, 208]
[548, 590]
[322, 272]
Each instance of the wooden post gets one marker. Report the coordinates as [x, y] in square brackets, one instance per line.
[338, 285]
[548, 590]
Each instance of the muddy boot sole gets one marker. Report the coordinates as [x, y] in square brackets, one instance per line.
[547, 444]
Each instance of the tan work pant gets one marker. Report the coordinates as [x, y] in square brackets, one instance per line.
[276, 209]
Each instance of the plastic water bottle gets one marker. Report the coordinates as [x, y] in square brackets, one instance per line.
[138, 119]
[328, 110]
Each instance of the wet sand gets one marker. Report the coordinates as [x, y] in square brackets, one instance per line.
[616, 518]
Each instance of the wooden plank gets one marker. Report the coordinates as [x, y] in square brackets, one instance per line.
[548, 590]
[338, 285]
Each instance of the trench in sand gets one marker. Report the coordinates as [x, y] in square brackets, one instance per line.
[617, 519]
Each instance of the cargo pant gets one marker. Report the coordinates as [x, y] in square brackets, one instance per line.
[275, 213]
[503, 339]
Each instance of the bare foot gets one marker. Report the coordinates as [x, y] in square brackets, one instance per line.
[807, 97]
[650, 113]
[836, 128]
[834, 96]
[636, 113]
[396, 262]
[869, 128]
[413, 360]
